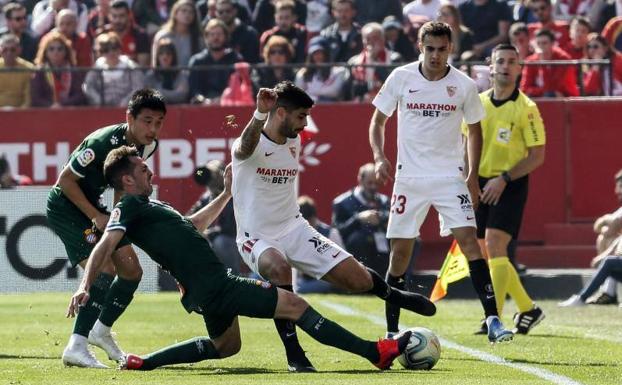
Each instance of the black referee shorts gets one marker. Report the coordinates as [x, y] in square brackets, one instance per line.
[507, 214]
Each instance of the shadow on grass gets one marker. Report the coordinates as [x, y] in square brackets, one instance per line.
[554, 336]
[22, 356]
[201, 370]
[556, 363]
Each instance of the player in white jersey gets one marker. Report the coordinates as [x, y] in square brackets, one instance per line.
[272, 235]
[432, 99]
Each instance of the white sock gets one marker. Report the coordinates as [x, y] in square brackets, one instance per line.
[77, 340]
[610, 286]
[100, 329]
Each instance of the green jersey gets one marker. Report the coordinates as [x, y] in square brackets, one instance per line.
[87, 160]
[171, 240]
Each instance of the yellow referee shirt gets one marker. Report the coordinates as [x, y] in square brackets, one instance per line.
[509, 128]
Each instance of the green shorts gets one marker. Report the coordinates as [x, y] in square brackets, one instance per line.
[74, 228]
[240, 296]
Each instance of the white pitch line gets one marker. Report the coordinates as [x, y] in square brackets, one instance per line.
[483, 356]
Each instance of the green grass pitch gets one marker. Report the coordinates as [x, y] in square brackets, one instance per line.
[571, 346]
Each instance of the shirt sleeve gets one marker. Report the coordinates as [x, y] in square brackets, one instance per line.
[533, 126]
[473, 109]
[83, 160]
[123, 214]
[387, 98]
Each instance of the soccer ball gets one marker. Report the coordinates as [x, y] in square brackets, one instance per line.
[423, 350]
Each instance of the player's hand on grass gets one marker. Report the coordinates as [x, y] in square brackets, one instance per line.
[100, 221]
[472, 183]
[492, 190]
[266, 99]
[384, 170]
[227, 177]
[79, 299]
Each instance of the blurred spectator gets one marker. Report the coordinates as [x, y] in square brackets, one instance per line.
[222, 232]
[600, 15]
[323, 84]
[366, 81]
[611, 267]
[134, 41]
[263, 14]
[580, 28]
[66, 24]
[207, 84]
[98, 18]
[519, 38]
[427, 8]
[544, 13]
[276, 53]
[609, 242]
[522, 13]
[171, 82]
[344, 35]
[566, 10]
[184, 28]
[151, 14]
[239, 90]
[361, 216]
[207, 10]
[396, 39]
[318, 16]
[461, 36]
[304, 283]
[17, 24]
[597, 80]
[286, 26]
[243, 38]
[15, 90]
[548, 80]
[489, 20]
[55, 85]
[114, 76]
[8, 179]
[613, 32]
[45, 11]
[375, 11]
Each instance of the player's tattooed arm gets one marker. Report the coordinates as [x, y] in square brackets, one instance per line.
[266, 100]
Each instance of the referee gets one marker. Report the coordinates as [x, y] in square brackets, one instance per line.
[513, 147]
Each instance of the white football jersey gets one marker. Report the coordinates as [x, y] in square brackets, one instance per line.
[430, 114]
[264, 189]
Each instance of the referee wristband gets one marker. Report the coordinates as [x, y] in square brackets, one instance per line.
[260, 115]
[506, 177]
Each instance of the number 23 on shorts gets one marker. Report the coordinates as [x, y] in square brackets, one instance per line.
[398, 204]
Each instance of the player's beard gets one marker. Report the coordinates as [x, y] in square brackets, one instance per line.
[287, 129]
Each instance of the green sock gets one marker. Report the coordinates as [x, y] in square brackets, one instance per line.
[88, 313]
[329, 333]
[193, 350]
[119, 296]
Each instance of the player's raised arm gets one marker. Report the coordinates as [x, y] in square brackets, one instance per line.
[68, 182]
[102, 251]
[266, 99]
[377, 125]
[208, 214]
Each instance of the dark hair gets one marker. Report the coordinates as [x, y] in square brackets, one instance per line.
[582, 20]
[291, 97]
[517, 28]
[503, 47]
[307, 207]
[4, 164]
[9, 8]
[548, 2]
[434, 28]
[146, 98]
[546, 32]
[120, 4]
[334, 3]
[117, 164]
[618, 176]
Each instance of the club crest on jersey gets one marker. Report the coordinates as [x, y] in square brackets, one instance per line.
[292, 150]
[86, 157]
[114, 140]
[115, 215]
[451, 90]
[90, 236]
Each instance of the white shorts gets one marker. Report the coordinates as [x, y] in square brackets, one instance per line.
[303, 247]
[412, 198]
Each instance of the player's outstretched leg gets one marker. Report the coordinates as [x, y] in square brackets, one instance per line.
[411, 301]
[193, 350]
[76, 352]
[391, 311]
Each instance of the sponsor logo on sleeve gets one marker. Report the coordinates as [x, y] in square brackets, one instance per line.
[86, 157]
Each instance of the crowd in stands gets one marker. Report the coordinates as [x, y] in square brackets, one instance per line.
[95, 52]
